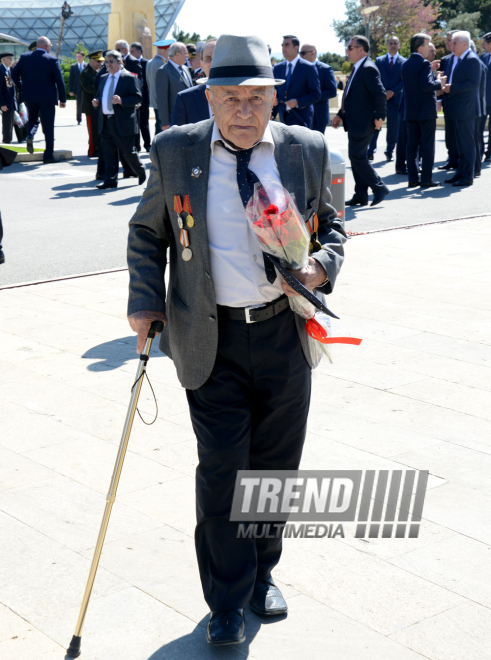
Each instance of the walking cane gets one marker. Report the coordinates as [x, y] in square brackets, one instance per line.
[73, 650]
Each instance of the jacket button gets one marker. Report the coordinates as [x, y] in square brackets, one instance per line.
[212, 318]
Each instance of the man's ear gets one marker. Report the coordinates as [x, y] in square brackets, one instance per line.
[209, 97]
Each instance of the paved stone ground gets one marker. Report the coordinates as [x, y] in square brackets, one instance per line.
[415, 394]
[57, 223]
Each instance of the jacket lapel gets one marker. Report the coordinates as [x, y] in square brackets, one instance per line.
[289, 158]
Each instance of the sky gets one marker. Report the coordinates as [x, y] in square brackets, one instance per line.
[269, 19]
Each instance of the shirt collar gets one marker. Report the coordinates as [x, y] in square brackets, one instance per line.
[293, 62]
[116, 75]
[174, 64]
[359, 63]
[43, 49]
[216, 136]
[462, 56]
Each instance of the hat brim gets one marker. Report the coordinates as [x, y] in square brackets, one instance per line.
[233, 82]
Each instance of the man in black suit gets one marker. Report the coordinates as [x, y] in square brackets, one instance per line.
[39, 77]
[130, 63]
[117, 96]
[362, 112]
[486, 58]
[328, 88]
[8, 101]
[191, 104]
[478, 133]
[445, 67]
[74, 88]
[420, 89]
[295, 99]
[463, 105]
[136, 49]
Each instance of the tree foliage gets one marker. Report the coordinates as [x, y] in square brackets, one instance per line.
[333, 59]
[187, 38]
[453, 9]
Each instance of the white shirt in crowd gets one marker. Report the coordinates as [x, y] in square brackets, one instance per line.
[355, 69]
[237, 262]
[105, 92]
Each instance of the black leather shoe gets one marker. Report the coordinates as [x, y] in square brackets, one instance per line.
[431, 184]
[2, 257]
[463, 183]
[370, 156]
[105, 185]
[413, 184]
[226, 627]
[389, 158]
[98, 177]
[361, 201]
[477, 174]
[380, 196]
[454, 179]
[267, 599]
[130, 176]
[142, 177]
[487, 158]
[48, 161]
[447, 166]
[401, 172]
[30, 145]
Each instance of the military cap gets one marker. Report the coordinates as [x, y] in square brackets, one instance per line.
[6, 55]
[33, 45]
[164, 43]
[191, 51]
[96, 55]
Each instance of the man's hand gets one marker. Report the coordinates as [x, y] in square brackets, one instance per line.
[378, 123]
[3, 108]
[292, 103]
[116, 100]
[310, 276]
[72, 93]
[140, 323]
[389, 94]
[435, 64]
[446, 89]
[164, 128]
[438, 106]
[96, 103]
[336, 121]
[62, 105]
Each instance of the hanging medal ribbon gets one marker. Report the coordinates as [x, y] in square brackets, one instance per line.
[313, 224]
[179, 208]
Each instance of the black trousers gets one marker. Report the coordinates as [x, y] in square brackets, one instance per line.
[466, 144]
[451, 142]
[250, 414]
[363, 173]
[421, 136]
[111, 142]
[392, 131]
[143, 119]
[401, 143]
[78, 97]
[7, 126]
[47, 115]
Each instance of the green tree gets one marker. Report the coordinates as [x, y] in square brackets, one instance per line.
[451, 9]
[187, 38]
[333, 59]
[353, 24]
[469, 22]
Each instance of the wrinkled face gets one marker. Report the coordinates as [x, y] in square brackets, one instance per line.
[459, 47]
[289, 50]
[121, 49]
[112, 65]
[206, 58]
[242, 112]
[7, 61]
[180, 57]
[95, 64]
[393, 45]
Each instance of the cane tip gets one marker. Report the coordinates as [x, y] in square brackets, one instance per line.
[73, 651]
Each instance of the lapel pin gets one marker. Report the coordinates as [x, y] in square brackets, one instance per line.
[196, 172]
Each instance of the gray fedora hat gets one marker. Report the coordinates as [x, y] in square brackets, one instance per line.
[240, 61]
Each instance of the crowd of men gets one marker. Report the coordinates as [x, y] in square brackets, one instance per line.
[117, 88]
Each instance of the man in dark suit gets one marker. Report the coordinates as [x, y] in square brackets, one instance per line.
[362, 112]
[296, 98]
[486, 58]
[479, 134]
[74, 88]
[390, 66]
[8, 101]
[191, 104]
[130, 63]
[87, 83]
[446, 64]
[420, 89]
[171, 79]
[462, 100]
[328, 87]
[117, 96]
[39, 77]
[136, 49]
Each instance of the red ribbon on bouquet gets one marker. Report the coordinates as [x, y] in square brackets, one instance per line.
[316, 331]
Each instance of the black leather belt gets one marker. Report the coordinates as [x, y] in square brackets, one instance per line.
[255, 314]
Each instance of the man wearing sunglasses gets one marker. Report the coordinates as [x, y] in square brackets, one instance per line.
[328, 87]
[363, 110]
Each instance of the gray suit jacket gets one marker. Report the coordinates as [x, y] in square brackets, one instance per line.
[151, 73]
[169, 83]
[191, 335]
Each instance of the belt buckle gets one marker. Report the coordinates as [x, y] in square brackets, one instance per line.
[247, 312]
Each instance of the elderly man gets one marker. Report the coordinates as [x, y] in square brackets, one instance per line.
[8, 101]
[38, 76]
[446, 64]
[160, 59]
[463, 106]
[171, 79]
[191, 104]
[239, 350]
[328, 87]
[130, 63]
[117, 96]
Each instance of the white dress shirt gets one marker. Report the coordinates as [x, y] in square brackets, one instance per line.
[237, 262]
[355, 69]
[105, 92]
[182, 72]
[293, 63]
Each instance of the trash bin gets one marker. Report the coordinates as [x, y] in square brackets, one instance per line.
[338, 171]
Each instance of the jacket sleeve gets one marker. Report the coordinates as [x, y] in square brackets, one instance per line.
[329, 82]
[179, 114]
[472, 80]
[373, 82]
[71, 79]
[331, 232]
[60, 83]
[87, 82]
[134, 97]
[162, 85]
[426, 80]
[397, 89]
[314, 87]
[16, 73]
[148, 239]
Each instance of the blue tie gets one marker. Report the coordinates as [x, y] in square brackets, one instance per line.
[288, 74]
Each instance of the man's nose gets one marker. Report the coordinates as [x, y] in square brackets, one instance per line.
[245, 108]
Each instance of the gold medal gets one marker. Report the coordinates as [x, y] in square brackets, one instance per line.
[187, 254]
[190, 221]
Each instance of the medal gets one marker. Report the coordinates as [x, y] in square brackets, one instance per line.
[180, 208]
[187, 254]
[190, 221]
[196, 172]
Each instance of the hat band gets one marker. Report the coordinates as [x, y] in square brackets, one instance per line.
[243, 71]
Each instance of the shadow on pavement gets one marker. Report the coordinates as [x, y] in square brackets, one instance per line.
[124, 202]
[112, 354]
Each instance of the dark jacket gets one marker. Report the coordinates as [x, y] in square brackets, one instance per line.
[7, 89]
[145, 92]
[304, 86]
[391, 80]
[463, 102]
[328, 91]
[38, 75]
[486, 58]
[87, 78]
[125, 115]
[132, 65]
[191, 106]
[364, 101]
[74, 79]
[483, 106]
[420, 89]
